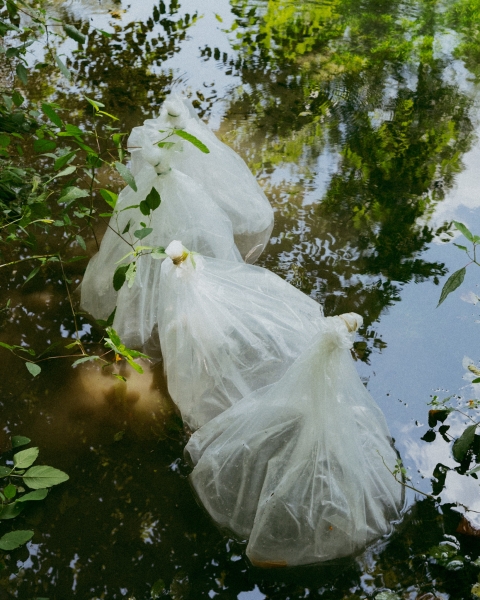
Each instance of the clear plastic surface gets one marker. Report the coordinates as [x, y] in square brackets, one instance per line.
[186, 211]
[297, 467]
[222, 171]
[227, 329]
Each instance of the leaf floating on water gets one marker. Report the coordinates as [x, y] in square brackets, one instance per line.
[452, 283]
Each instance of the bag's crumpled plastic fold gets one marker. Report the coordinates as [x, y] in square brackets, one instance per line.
[297, 467]
[226, 329]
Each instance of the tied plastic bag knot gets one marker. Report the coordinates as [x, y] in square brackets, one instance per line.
[157, 157]
[176, 112]
[178, 254]
[339, 331]
[352, 320]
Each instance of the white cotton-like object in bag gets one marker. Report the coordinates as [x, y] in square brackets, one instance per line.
[186, 211]
[297, 467]
[225, 330]
[222, 172]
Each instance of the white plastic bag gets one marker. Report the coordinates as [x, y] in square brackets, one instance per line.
[186, 211]
[222, 172]
[297, 467]
[226, 329]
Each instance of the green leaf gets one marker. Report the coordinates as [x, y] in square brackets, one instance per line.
[4, 140]
[31, 275]
[10, 491]
[63, 69]
[153, 199]
[73, 33]
[85, 359]
[10, 511]
[192, 139]
[68, 171]
[72, 193]
[44, 145]
[15, 539]
[63, 160]
[113, 335]
[81, 242]
[42, 476]
[17, 98]
[166, 145]
[52, 115]
[126, 175]
[127, 226]
[20, 440]
[105, 33]
[109, 197]
[25, 458]
[5, 471]
[464, 229]
[35, 495]
[142, 233]
[95, 103]
[22, 73]
[452, 283]
[463, 444]
[120, 276]
[461, 247]
[130, 274]
[387, 596]
[33, 368]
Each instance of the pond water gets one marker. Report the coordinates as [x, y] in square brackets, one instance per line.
[360, 121]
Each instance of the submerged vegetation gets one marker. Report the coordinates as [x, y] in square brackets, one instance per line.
[356, 122]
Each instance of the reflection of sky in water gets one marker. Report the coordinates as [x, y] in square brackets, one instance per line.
[255, 594]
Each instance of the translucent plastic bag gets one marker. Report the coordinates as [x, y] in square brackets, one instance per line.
[186, 210]
[297, 467]
[226, 329]
[222, 172]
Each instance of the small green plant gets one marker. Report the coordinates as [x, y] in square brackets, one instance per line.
[23, 482]
[456, 279]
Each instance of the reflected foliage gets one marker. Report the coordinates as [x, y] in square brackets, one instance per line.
[356, 91]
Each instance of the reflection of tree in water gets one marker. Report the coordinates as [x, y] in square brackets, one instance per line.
[359, 81]
[125, 71]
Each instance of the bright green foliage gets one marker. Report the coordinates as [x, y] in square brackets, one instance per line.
[13, 496]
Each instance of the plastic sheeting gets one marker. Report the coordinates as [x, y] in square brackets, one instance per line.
[297, 467]
[225, 330]
[222, 172]
[186, 211]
